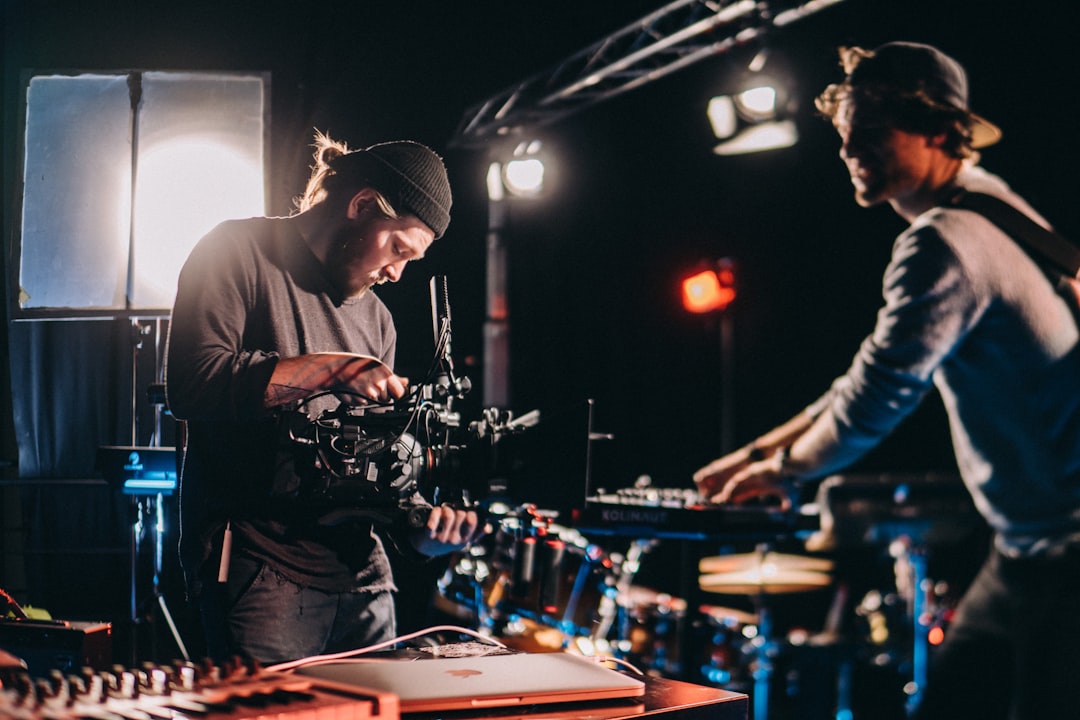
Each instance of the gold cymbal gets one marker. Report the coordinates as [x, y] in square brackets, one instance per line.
[763, 581]
[728, 617]
[639, 596]
[750, 561]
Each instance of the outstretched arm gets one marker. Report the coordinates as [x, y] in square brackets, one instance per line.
[754, 470]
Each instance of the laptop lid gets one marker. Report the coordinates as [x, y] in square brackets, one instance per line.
[486, 681]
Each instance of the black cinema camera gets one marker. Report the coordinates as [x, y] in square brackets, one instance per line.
[375, 458]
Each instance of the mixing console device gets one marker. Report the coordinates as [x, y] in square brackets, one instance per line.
[681, 513]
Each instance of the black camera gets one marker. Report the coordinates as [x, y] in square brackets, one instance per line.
[382, 456]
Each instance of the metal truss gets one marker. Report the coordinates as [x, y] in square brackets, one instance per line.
[669, 39]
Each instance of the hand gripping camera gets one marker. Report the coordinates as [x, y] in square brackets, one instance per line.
[380, 457]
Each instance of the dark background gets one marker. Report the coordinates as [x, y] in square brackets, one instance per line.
[637, 199]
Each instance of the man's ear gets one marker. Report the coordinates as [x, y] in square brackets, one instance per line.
[363, 199]
[936, 141]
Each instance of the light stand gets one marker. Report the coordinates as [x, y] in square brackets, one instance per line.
[727, 383]
[520, 176]
[710, 292]
[149, 503]
[496, 377]
[765, 648]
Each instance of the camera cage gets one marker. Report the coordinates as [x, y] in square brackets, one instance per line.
[399, 455]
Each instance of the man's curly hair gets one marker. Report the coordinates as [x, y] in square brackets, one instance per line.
[914, 112]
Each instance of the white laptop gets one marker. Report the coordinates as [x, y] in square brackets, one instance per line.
[438, 684]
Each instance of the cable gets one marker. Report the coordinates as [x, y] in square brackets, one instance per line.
[617, 661]
[321, 659]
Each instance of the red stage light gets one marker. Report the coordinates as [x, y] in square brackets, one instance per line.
[709, 290]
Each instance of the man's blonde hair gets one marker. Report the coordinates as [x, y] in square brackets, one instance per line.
[325, 181]
[905, 110]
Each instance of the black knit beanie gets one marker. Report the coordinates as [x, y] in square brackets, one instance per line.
[410, 175]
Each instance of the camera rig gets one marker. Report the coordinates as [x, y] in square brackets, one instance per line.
[385, 460]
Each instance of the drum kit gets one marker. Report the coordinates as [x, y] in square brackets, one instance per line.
[540, 586]
[759, 575]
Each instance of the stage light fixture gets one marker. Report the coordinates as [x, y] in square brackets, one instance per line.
[523, 173]
[759, 138]
[520, 175]
[752, 118]
[710, 290]
[722, 116]
[757, 103]
[195, 172]
[151, 161]
[496, 188]
[525, 177]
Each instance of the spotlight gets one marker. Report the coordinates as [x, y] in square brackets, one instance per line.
[758, 138]
[710, 290]
[751, 119]
[722, 116]
[523, 174]
[757, 103]
[149, 143]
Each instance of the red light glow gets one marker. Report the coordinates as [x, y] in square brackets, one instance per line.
[708, 291]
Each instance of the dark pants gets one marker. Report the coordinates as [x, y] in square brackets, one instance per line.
[1013, 649]
[259, 614]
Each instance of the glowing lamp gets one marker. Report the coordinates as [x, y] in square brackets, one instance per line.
[523, 174]
[709, 290]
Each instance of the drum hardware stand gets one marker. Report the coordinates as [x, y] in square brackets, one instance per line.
[576, 592]
[612, 605]
[483, 618]
[914, 559]
[764, 647]
[764, 650]
[844, 669]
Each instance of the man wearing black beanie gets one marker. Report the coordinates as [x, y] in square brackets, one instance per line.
[274, 319]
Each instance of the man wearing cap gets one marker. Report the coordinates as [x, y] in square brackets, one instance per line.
[966, 312]
[269, 314]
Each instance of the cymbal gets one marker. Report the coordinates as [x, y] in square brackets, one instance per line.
[728, 617]
[750, 561]
[639, 596]
[763, 582]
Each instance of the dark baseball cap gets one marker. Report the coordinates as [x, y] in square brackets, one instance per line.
[914, 67]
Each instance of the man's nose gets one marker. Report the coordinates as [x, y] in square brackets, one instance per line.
[393, 271]
[845, 146]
